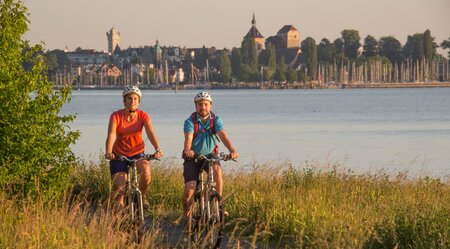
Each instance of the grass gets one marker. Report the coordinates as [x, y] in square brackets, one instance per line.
[279, 206]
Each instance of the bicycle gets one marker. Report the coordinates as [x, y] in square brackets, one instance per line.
[133, 196]
[206, 218]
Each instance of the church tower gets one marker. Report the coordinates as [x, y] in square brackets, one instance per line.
[113, 39]
[254, 35]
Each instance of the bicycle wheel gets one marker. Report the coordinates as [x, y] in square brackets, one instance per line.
[136, 216]
[196, 222]
[215, 223]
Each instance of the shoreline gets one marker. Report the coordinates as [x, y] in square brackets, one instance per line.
[271, 86]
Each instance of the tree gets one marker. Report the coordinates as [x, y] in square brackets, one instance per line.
[310, 49]
[391, 48]
[445, 44]
[429, 49]
[252, 55]
[414, 47]
[351, 43]
[370, 46]
[224, 67]
[280, 71]
[338, 45]
[325, 51]
[236, 62]
[291, 75]
[35, 157]
[244, 51]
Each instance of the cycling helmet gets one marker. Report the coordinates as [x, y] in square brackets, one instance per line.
[131, 89]
[201, 96]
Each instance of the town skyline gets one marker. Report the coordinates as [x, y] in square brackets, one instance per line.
[72, 24]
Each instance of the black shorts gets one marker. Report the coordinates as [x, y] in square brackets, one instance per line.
[192, 167]
[116, 166]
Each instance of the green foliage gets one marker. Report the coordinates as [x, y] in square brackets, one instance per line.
[414, 47]
[445, 44]
[351, 43]
[391, 48]
[325, 51]
[224, 67]
[370, 46]
[236, 62]
[249, 54]
[310, 49]
[35, 157]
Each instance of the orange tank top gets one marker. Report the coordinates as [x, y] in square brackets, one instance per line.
[129, 134]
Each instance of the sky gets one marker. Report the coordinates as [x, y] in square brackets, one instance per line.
[70, 24]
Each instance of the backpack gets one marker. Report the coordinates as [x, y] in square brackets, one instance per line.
[211, 129]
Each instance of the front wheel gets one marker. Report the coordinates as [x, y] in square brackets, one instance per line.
[136, 215]
[216, 222]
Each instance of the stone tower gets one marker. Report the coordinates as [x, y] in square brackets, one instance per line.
[113, 39]
[254, 35]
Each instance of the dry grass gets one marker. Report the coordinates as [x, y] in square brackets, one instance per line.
[270, 207]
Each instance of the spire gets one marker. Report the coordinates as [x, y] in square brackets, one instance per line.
[254, 20]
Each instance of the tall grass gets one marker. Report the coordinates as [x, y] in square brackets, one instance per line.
[269, 206]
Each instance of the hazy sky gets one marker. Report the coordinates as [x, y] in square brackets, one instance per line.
[194, 23]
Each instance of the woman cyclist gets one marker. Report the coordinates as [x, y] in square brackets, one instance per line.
[125, 138]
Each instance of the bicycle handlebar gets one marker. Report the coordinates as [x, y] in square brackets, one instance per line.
[222, 156]
[147, 157]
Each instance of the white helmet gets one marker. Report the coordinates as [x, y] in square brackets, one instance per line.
[131, 89]
[202, 96]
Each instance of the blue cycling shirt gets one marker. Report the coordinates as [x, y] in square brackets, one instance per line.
[204, 142]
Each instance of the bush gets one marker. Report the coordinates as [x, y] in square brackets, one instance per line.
[35, 157]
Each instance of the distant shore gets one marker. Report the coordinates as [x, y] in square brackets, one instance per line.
[269, 86]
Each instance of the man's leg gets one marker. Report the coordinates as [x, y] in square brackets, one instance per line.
[188, 197]
[218, 178]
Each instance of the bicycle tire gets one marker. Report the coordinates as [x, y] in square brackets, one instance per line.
[196, 224]
[215, 223]
[136, 216]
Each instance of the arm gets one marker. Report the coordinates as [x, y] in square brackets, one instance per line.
[110, 139]
[187, 151]
[226, 141]
[152, 138]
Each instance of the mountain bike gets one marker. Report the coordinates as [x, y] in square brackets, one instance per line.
[206, 218]
[133, 196]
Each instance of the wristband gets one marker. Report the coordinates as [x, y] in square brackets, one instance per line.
[158, 150]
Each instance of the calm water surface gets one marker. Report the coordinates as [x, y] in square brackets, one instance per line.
[362, 129]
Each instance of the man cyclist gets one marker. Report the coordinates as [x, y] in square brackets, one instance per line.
[202, 131]
[125, 138]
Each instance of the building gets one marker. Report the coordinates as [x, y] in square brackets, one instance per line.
[87, 57]
[287, 37]
[113, 39]
[254, 35]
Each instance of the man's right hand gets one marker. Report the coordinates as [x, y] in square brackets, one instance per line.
[188, 154]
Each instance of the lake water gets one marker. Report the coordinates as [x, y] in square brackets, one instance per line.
[365, 130]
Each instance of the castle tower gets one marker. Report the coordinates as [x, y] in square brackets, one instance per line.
[255, 35]
[113, 39]
[290, 36]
